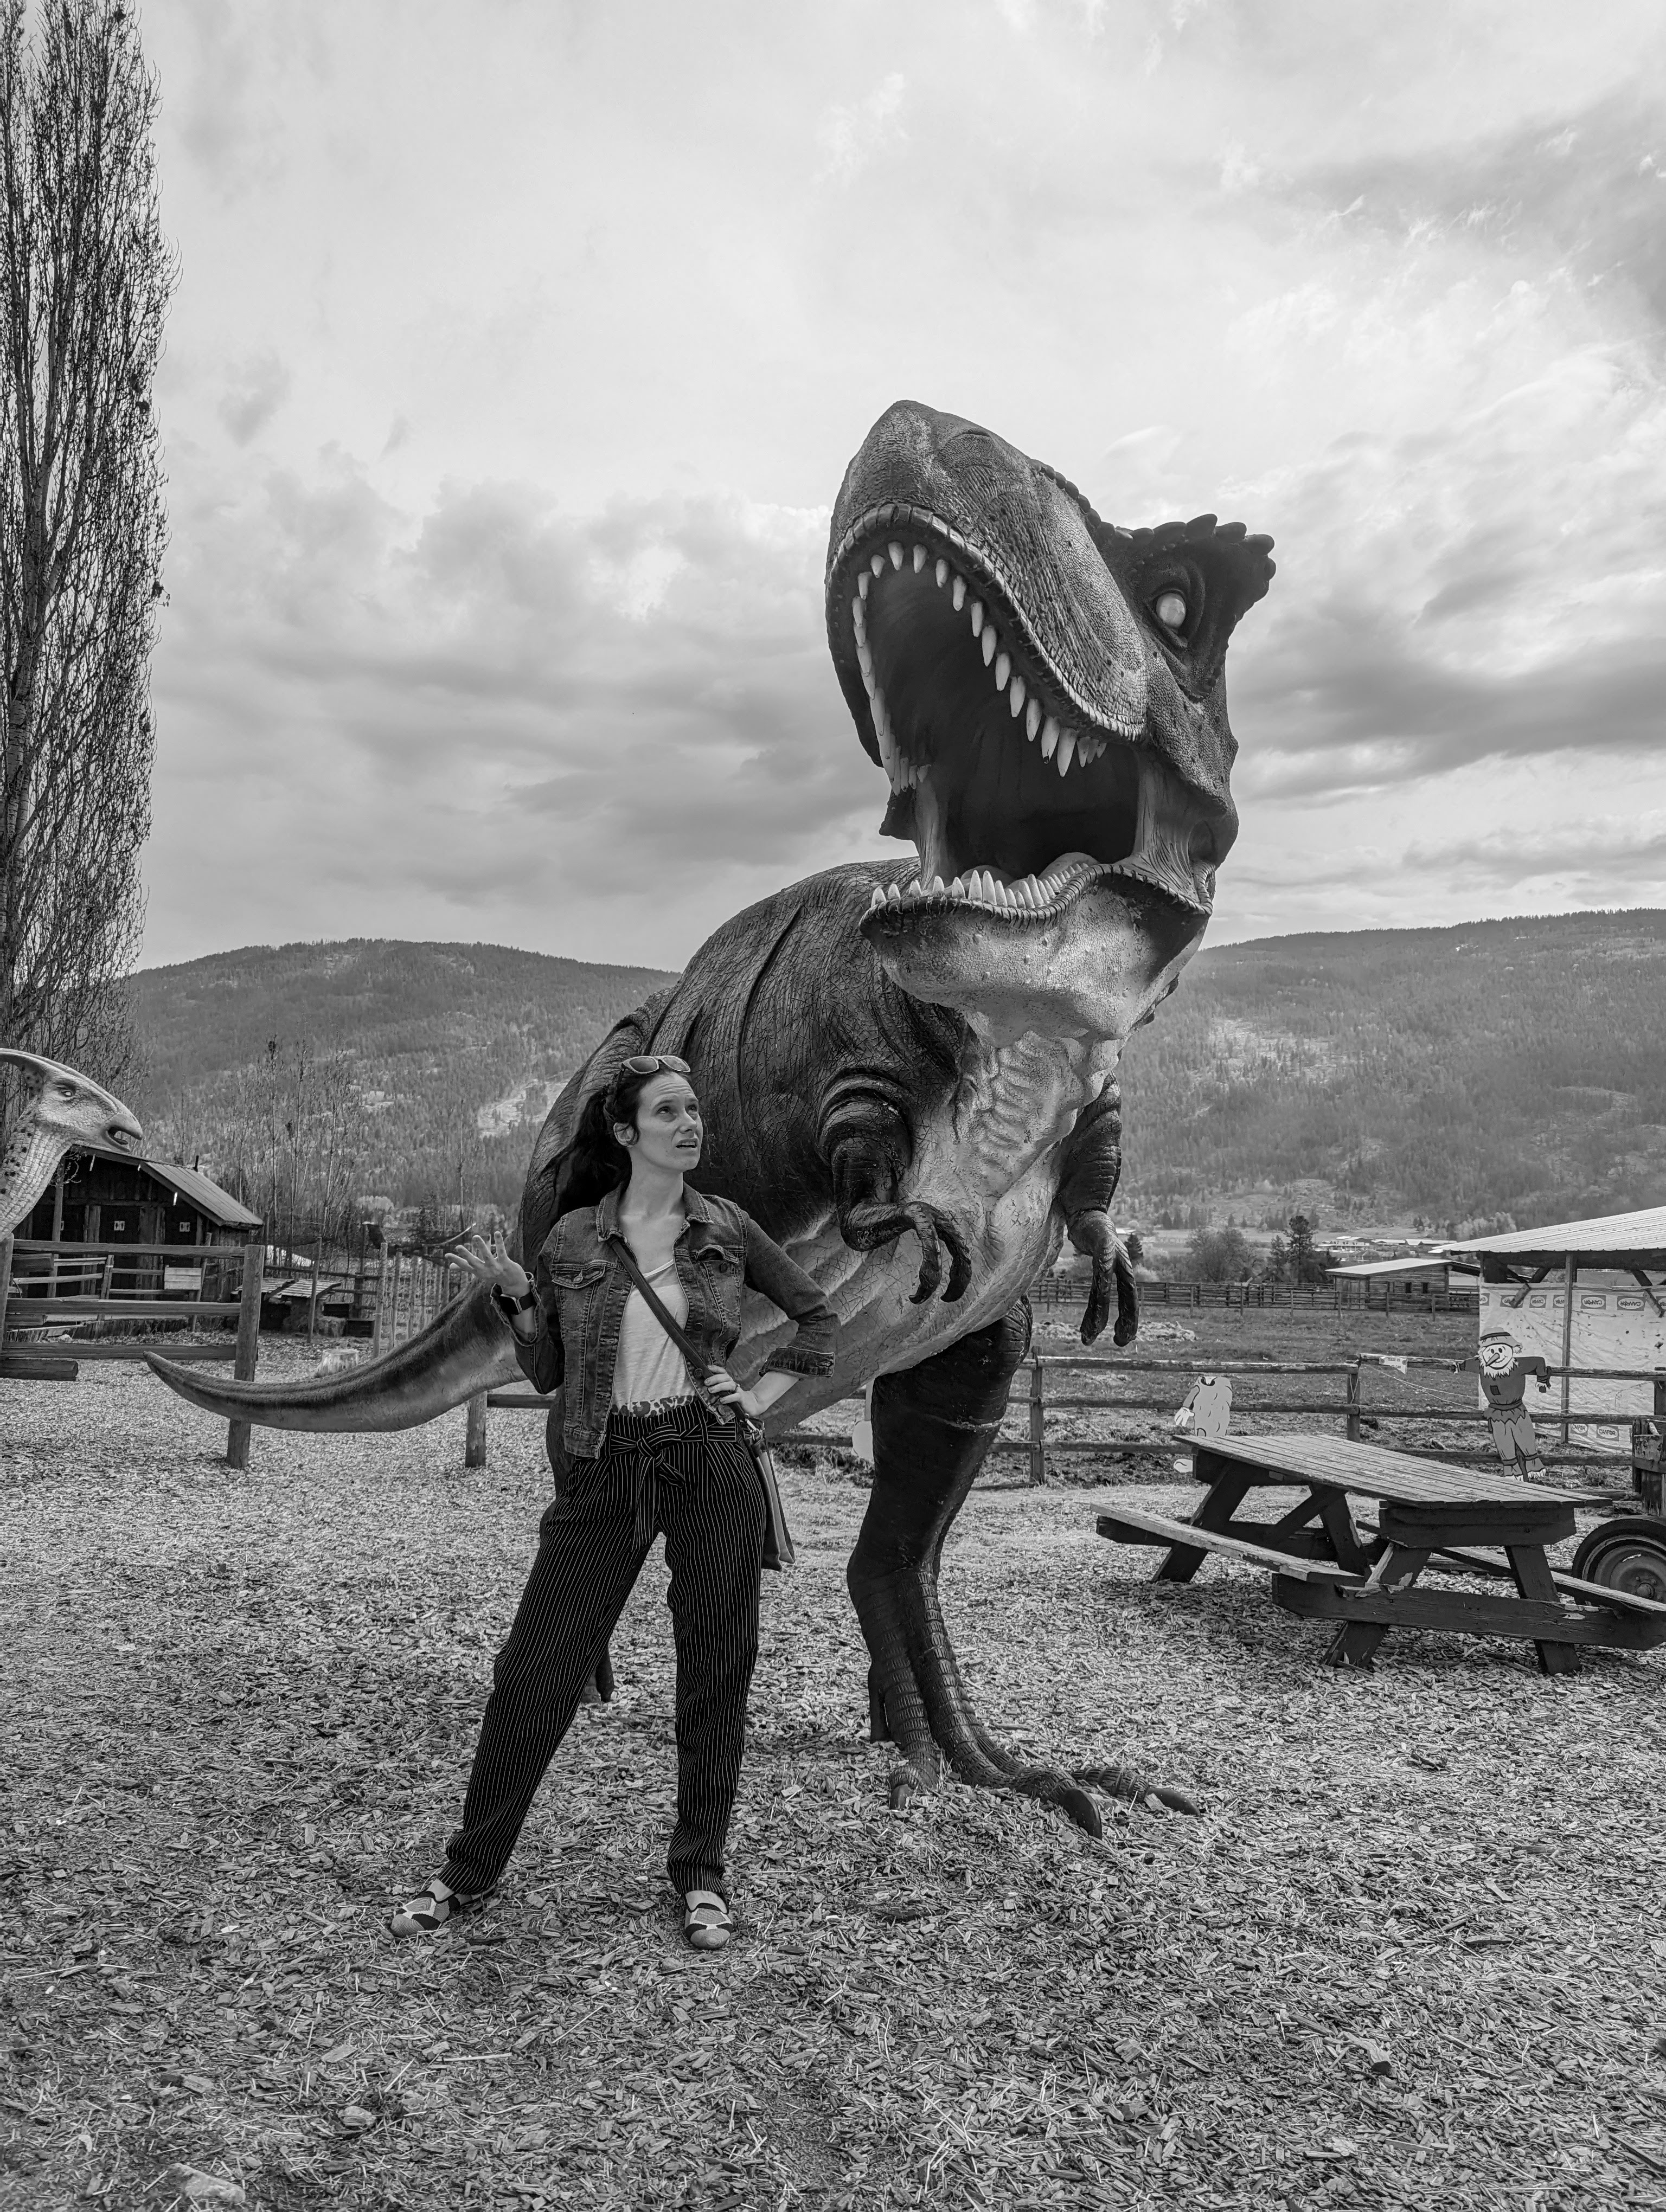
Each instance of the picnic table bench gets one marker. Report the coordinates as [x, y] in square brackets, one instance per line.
[1331, 1565]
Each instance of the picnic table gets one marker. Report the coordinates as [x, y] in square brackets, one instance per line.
[1330, 1565]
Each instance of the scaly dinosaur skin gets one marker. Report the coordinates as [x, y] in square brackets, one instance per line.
[908, 1069]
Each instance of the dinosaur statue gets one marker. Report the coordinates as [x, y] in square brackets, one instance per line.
[908, 1069]
[61, 1108]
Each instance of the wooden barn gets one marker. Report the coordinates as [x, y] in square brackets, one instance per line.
[111, 1198]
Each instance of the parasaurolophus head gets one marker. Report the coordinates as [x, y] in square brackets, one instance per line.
[1045, 693]
[60, 1108]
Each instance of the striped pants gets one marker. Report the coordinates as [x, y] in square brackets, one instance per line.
[669, 1468]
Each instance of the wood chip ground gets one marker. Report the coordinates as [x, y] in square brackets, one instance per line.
[1410, 1955]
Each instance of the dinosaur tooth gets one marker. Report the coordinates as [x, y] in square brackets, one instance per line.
[1049, 738]
[862, 584]
[977, 617]
[878, 899]
[941, 573]
[919, 558]
[1067, 751]
[1016, 695]
[896, 553]
[1032, 720]
[990, 641]
[938, 887]
[1003, 669]
[958, 594]
[915, 889]
[958, 888]
[893, 896]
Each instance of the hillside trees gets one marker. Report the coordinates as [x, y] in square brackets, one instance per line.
[292, 1141]
[84, 279]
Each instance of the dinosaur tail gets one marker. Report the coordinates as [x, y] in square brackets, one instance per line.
[466, 1349]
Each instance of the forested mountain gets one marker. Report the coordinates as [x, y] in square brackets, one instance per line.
[1505, 1067]
[1513, 1067]
[303, 1074]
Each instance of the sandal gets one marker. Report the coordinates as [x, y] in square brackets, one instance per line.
[429, 1910]
[708, 1923]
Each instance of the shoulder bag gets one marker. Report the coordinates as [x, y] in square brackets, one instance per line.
[778, 1547]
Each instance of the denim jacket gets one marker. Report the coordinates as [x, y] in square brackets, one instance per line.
[582, 1289]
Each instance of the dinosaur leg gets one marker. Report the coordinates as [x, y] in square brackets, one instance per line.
[932, 1427]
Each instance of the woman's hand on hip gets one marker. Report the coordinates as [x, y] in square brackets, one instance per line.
[724, 1388]
[491, 1265]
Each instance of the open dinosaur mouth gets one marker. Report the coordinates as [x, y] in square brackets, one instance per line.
[1017, 799]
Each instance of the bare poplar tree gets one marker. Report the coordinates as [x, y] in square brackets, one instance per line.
[85, 275]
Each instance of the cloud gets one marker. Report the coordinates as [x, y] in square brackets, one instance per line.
[515, 709]
[256, 392]
[850, 136]
[1383, 279]
[1595, 851]
[1493, 589]
[1589, 191]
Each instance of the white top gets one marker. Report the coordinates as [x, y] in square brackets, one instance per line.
[648, 1364]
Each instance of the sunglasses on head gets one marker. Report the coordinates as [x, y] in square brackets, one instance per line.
[655, 1063]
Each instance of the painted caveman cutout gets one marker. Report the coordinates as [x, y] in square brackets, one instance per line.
[1504, 1372]
[1206, 1411]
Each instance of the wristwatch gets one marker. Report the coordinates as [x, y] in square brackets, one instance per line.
[524, 1304]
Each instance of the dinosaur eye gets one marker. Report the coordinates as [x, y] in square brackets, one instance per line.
[66, 1089]
[1170, 610]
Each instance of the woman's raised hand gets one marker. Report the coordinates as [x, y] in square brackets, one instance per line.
[491, 1265]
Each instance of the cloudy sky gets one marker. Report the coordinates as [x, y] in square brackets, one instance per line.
[520, 347]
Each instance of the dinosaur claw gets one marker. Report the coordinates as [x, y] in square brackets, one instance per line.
[1093, 1235]
[1122, 1781]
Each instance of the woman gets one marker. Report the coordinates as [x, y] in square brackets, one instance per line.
[650, 1448]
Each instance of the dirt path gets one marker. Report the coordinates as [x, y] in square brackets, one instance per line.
[1407, 1955]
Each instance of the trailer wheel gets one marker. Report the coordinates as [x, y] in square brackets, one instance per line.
[1628, 1554]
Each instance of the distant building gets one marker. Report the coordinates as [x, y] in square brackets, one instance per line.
[1418, 1276]
[111, 1198]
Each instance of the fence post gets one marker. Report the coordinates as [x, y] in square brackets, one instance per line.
[1037, 1427]
[1353, 1403]
[248, 1341]
[474, 1434]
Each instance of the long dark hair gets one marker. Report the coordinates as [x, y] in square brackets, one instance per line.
[595, 1161]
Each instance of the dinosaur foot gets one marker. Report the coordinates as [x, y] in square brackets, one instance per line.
[962, 1749]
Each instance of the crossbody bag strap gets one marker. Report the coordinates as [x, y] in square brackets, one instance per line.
[651, 1300]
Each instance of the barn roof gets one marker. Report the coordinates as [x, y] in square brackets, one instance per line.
[195, 1187]
[1376, 1270]
[1610, 1240]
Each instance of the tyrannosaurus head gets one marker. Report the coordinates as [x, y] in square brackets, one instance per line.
[1044, 691]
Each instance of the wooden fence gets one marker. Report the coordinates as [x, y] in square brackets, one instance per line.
[1348, 1407]
[1385, 1297]
[33, 1299]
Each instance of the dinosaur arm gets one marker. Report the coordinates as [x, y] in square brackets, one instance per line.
[866, 1141]
[1091, 1170]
